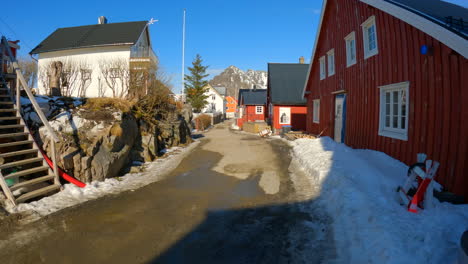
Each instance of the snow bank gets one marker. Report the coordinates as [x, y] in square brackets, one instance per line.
[357, 188]
[73, 195]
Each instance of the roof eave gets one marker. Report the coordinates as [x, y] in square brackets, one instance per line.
[84, 47]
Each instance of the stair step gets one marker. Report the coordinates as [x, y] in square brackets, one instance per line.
[37, 193]
[17, 153]
[19, 163]
[13, 135]
[10, 118]
[5, 95]
[6, 103]
[17, 143]
[31, 182]
[8, 110]
[25, 172]
[11, 126]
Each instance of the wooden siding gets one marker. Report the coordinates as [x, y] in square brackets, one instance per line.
[298, 117]
[250, 115]
[438, 90]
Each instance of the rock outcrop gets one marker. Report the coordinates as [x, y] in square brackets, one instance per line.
[95, 145]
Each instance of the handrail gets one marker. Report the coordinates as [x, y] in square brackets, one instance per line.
[28, 91]
[39, 112]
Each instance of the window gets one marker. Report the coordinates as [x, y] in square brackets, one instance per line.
[213, 97]
[331, 62]
[316, 117]
[323, 73]
[369, 32]
[259, 109]
[350, 49]
[394, 109]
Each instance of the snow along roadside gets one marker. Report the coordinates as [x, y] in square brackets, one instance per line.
[73, 195]
[357, 188]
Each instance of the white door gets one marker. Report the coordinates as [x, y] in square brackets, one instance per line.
[338, 118]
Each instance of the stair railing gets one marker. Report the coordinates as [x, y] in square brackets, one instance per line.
[20, 80]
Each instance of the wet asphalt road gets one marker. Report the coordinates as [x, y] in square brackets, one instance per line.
[196, 215]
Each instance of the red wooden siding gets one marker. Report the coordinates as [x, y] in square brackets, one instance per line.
[250, 115]
[438, 92]
[298, 117]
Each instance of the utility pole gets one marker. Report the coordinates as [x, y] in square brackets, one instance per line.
[183, 58]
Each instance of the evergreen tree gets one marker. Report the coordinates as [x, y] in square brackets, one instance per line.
[196, 86]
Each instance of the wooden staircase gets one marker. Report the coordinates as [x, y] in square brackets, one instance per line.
[24, 173]
[23, 165]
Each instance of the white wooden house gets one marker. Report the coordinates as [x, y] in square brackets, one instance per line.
[215, 101]
[96, 58]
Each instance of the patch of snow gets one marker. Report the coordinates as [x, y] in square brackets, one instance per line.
[73, 195]
[358, 190]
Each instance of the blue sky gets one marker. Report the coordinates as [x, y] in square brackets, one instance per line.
[247, 34]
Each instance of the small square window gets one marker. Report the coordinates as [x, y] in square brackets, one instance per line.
[369, 32]
[394, 105]
[259, 109]
[331, 62]
[323, 70]
[316, 116]
[350, 49]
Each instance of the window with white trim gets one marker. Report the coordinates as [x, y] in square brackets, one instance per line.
[350, 49]
[394, 109]
[259, 109]
[369, 32]
[323, 69]
[331, 62]
[316, 116]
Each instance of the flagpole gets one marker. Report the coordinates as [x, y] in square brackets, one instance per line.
[183, 57]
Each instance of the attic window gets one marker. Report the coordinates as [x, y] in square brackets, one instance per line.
[350, 49]
[323, 72]
[369, 32]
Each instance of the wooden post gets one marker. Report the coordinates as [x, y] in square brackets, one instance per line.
[18, 98]
[5, 187]
[54, 160]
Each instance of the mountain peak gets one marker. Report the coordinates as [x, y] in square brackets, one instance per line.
[235, 79]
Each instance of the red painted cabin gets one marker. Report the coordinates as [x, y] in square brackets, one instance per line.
[393, 76]
[286, 105]
[252, 104]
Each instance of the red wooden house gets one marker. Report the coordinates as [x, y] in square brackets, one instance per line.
[252, 105]
[286, 105]
[392, 75]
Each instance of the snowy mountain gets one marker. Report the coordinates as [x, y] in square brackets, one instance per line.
[234, 79]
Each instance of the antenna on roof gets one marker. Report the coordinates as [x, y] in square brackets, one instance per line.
[152, 21]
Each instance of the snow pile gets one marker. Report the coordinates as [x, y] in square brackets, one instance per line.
[73, 195]
[358, 189]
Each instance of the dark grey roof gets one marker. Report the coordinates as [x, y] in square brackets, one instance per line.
[286, 81]
[126, 33]
[221, 90]
[253, 97]
[440, 12]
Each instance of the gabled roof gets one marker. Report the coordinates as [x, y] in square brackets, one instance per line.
[424, 15]
[221, 90]
[98, 35]
[285, 81]
[252, 97]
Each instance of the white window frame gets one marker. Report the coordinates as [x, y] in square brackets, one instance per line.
[331, 62]
[349, 50]
[256, 109]
[323, 68]
[390, 131]
[365, 36]
[316, 109]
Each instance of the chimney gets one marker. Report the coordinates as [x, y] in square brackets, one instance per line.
[102, 20]
[301, 60]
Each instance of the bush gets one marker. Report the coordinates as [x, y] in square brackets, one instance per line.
[203, 122]
[97, 104]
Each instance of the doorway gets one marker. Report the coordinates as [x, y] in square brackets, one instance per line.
[340, 117]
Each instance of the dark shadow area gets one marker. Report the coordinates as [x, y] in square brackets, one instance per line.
[298, 122]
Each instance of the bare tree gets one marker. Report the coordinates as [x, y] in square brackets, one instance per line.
[29, 70]
[116, 74]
